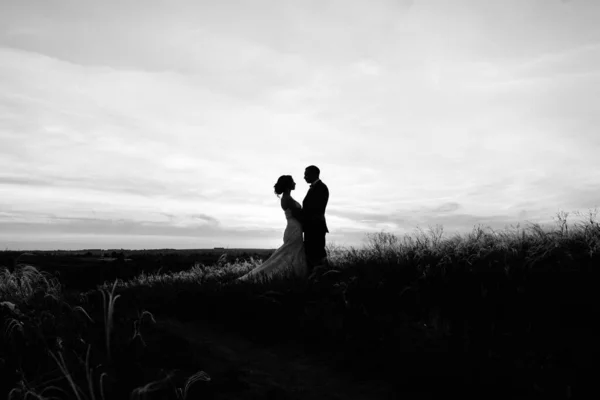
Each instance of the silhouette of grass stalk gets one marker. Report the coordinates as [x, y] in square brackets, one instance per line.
[108, 305]
[60, 361]
[26, 392]
[20, 285]
[197, 377]
[142, 391]
[88, 372]
[12, 324]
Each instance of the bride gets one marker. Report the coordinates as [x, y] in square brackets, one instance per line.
[290, 257]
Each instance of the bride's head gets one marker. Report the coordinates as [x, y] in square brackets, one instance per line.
[285, 183]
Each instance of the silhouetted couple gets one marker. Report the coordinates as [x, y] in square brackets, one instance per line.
[298, 255]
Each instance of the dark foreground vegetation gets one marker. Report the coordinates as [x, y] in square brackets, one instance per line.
[85, 269]
[506, 315]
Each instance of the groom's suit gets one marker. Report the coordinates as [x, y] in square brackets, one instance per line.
[314, 224]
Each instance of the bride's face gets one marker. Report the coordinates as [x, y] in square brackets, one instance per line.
[293, 186]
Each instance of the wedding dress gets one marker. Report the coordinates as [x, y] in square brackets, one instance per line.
[289, 258]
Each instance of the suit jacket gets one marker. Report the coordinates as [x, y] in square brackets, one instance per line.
[313, 207]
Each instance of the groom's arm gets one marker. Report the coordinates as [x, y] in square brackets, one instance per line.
[321, 200]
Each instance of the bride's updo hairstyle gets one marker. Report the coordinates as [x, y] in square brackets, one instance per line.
[283, 183]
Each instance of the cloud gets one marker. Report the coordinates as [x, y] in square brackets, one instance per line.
[96, 226]
[574, 61]
[416, 113]
[408, 219]
[447, 208]
[206, 218]
[6, 215]
[138, 187]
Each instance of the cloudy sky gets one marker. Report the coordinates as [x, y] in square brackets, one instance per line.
[163, 123]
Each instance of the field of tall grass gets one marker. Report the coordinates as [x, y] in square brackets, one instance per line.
[491, 314]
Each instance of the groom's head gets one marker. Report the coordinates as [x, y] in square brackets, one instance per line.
[311, 174]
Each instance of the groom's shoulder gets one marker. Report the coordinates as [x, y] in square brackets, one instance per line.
[323, 186]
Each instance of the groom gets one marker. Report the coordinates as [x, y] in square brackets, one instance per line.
[314, 225]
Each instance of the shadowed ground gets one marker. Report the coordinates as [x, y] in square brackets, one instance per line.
[283, 370]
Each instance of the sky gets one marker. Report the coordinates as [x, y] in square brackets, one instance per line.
[165, 124]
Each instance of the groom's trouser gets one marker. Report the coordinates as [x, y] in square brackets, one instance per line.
[314, 245]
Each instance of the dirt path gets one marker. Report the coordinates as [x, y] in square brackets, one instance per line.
[280, 372]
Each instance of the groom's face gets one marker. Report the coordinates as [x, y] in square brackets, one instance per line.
[309, 176]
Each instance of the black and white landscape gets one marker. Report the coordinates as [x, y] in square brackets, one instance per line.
[142, 141]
